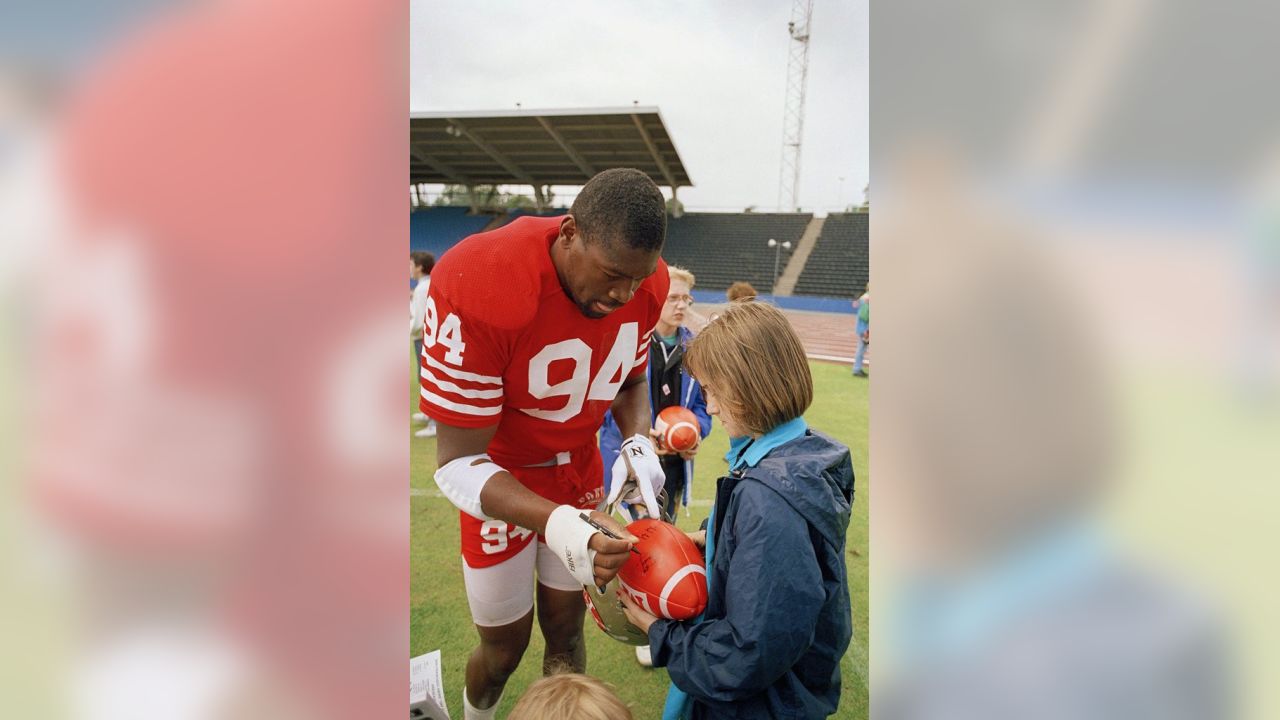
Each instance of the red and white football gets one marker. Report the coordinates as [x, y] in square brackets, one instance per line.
[678, 428]
[666, 575]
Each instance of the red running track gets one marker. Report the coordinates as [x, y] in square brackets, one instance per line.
[826, 336]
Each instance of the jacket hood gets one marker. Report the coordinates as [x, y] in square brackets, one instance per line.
[814, 475]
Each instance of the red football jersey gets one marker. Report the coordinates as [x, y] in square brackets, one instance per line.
[504, 344]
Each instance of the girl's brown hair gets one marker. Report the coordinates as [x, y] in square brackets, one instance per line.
[755, 365]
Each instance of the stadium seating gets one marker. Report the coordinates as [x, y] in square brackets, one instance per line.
[838, 265]
[720, 248]
[513, 214]
[437, 229]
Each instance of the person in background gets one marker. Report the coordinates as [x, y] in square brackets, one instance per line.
[741, 290]
[863, 307]
[570, 696]
[669, 385]
[420, 264]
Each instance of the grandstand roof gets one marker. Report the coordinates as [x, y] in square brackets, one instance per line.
[540, 147]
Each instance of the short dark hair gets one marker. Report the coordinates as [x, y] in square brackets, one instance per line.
[424, 260]
[622, 205]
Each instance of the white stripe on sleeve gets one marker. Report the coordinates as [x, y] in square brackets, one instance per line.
[447, 386]
[461, 374]
[459, 407]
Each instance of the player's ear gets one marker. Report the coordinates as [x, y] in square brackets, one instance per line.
[568, 230]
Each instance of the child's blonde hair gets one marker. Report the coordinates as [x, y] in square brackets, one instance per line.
[753, 362]
[679, 273]
[570, 696]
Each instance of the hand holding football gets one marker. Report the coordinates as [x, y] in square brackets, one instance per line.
[677, 427]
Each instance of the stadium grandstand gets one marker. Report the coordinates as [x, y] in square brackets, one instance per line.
[720, 248]
[839, 262]
[440, 228]
[828, 257]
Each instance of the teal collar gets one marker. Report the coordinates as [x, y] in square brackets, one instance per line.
[745, 452]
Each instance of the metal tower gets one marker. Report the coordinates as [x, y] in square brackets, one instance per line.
[793, 107]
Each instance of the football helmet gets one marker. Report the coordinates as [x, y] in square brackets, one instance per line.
[606, 610]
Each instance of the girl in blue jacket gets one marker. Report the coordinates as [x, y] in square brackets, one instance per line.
[778, 617]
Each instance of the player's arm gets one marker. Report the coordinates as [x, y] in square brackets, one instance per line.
[631, 406]
[502, 496]
[481, 488]
[637, 454]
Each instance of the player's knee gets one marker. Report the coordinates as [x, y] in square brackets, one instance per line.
[502, 659]
[561, 612]
[564, 642]
[562, 630]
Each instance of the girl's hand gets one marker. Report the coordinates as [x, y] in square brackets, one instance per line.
[699, 538]
[637, 615]
[659, 448]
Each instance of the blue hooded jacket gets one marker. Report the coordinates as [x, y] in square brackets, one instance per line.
[778, 617]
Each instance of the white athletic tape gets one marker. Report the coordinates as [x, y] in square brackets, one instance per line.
[461, 482]
[567, 536]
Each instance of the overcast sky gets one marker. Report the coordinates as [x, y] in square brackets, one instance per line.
[716, 70]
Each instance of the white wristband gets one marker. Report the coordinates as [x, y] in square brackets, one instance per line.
[567, 536]
[461, 482]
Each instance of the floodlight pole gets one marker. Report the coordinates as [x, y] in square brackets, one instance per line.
[777, 255]
[793, 105]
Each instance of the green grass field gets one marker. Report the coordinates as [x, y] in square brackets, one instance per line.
[439, 618]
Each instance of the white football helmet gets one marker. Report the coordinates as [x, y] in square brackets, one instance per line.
[606, 610]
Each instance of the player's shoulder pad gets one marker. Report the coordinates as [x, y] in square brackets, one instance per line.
[491, 278]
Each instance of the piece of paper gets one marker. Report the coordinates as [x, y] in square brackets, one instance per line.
[424, 679]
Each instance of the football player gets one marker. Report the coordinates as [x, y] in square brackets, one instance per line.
[531, 333]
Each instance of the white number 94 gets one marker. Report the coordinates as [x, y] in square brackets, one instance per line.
[574, 389]
[447, 333]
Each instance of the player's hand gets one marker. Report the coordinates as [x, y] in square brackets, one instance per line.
[688, 454]
[637, 454]
[636, 615]
[610, 554]
[580, 546]
[699, 538]
[658, 447]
